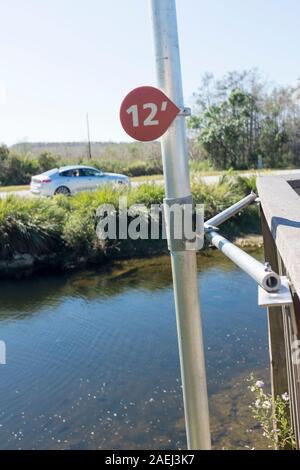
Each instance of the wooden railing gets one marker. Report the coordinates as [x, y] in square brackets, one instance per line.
[280, 218]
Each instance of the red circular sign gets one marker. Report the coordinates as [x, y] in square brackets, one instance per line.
[146, 113]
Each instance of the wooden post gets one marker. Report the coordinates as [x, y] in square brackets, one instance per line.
[278, 366]
[280, 217]
[295, 321]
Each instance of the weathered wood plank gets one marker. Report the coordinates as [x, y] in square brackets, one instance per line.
[281, 206]
[280, 217]
[277, 353]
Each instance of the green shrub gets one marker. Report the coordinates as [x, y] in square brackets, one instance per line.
[47, 161]
[143, 168]
[4, 152]
[29, 226]
[147, 194]
[109, 166]
[200, 166]
[67, 224]
[18, 170]
[79, 233]
[245, 184]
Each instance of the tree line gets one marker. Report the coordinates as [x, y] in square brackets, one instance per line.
[241, 121]
[18, 168]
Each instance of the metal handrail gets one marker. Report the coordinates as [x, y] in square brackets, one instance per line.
[262, 274]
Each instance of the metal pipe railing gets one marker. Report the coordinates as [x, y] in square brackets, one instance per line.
[231, 211]
[267, 279]
[262, 274]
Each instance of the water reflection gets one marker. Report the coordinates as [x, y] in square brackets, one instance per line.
[93, 359]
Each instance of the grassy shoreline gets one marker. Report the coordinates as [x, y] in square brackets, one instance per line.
[59, 233]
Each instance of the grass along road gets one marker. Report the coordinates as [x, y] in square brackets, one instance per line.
[7, 189]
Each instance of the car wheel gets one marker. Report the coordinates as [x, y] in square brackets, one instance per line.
[63, 190]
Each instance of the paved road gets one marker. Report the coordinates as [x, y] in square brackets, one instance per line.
[214, 179]
[23, 193]
[207, 179]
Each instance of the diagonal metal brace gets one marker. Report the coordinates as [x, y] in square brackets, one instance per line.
[231, 211]
[262, 274]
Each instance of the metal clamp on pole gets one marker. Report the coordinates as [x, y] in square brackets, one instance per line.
[178, 218]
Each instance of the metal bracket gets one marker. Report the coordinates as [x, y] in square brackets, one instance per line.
[185, 112]
[174, 210]
[262, 274]
[279, 298]
[210, 228]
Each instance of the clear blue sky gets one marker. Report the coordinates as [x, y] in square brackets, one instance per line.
[62, 58]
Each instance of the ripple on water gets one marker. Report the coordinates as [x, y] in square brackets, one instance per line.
[93, 358]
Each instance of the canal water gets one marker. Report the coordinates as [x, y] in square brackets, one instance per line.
[92, 358]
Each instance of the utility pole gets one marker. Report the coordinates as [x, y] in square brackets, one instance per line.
[184, 263]
[88, 136]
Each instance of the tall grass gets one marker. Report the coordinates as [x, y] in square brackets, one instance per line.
[67, 224]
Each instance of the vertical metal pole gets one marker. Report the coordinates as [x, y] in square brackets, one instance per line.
[184, 266]
[88, 136]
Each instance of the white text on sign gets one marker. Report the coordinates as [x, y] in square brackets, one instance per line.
[149, 121]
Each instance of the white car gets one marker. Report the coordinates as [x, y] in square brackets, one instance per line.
[72, 179]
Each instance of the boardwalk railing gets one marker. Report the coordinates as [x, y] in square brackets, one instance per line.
[280, 218]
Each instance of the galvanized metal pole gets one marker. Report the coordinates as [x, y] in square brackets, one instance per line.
[184, 267]
[88, 136]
